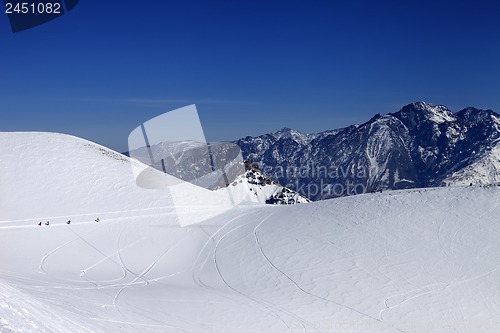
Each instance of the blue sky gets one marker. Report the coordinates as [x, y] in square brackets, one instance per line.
[251, 67]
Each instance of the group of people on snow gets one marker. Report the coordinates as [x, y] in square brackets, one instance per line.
[67, 222]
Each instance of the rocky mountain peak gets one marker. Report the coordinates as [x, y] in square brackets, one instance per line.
[419, 112]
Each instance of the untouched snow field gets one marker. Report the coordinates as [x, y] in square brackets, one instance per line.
[402, 261]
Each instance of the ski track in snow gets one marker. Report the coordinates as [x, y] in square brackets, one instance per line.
[94, 214]
[134, 324]
[271, 308]
[142, 275]
[119, 253]
[149, 268]
[46, 256]
[199, 282]
[259, 302]
[122, 265]
[211, 239]
[309, 293]
[107, 222]
[407, 296]
[374, 236]
[108, 257]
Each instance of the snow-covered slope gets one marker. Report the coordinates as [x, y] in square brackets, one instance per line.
[54, 175]
[404, 261]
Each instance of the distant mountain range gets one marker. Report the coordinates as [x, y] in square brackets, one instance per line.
[216, 167]
[421, 145]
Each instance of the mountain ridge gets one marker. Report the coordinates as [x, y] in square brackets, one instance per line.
[421, 145]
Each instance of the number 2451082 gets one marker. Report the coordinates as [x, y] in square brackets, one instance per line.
[33, 8]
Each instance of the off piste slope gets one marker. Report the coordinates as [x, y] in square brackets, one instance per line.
[402, 261]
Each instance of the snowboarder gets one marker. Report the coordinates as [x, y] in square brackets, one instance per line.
[47, 223]
[97, 219]
[69, 221]
[39, 224]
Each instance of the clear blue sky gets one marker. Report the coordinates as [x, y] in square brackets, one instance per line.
[251, 67]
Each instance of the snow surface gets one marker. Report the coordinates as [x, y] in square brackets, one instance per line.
[401, 261]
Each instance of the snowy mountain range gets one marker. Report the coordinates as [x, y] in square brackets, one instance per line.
[421, 145]
[408, 261]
